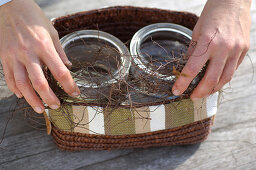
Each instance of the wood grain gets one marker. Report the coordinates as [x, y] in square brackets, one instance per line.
[231, 145]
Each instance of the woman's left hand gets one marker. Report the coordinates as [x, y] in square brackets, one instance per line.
[222, 36]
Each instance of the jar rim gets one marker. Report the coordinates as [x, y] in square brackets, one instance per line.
[125, 64]
[146, 31]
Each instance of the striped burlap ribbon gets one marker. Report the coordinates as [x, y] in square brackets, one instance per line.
[121, 121]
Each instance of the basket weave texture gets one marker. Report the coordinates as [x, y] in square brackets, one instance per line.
[124, 22]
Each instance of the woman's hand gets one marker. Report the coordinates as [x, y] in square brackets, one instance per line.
[222, 36]
[27, 41]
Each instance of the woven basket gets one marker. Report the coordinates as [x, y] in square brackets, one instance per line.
[123, 22]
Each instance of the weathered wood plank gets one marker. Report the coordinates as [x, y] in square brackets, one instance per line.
[36, 150]
[25, 144]
[225, 149]
[15, 122]
[230, 146]
[122, 158]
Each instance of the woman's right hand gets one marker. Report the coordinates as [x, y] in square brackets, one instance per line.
[27, 41]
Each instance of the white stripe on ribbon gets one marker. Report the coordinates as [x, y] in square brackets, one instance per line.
[157, 115]
[96, 119]
[212, 104]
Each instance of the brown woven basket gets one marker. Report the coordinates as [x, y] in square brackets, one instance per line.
[123, 22]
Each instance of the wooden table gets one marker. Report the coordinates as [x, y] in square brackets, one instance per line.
[231, 144]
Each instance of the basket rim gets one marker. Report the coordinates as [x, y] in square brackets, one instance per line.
[125, 7]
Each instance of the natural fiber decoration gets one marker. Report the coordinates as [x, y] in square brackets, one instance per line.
[123, 104]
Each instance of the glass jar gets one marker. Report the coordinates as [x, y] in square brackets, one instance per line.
[158, 52]
[99, 60]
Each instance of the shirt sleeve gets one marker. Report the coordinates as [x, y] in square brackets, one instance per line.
[2, 2]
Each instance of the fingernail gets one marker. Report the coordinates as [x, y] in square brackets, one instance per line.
[69, 63]
[54, 107]
[176, 92]
[18, 95]
[38, 109]
[75, 94]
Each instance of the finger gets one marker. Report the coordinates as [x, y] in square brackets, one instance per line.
[228, 72]
[211, 77]
[51, 58]
[23, 84]
[193, 42]
[191, 48]
[242, 56]
[59, 49]
[41, 85]
[194, 64]
[9, 78]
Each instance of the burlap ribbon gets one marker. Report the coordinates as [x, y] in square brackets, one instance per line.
[122, 121]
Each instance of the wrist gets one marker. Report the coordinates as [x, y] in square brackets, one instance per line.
[237, 3]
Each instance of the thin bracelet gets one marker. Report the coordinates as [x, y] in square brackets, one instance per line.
[2, 2]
